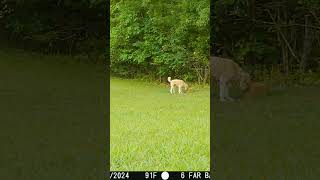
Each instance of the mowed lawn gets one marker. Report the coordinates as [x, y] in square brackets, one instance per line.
[269, 138]
[152, 130]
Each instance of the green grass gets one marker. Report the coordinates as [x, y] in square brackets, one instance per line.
[53, 121]
[274, 137]
[53, 118]
[152, 130]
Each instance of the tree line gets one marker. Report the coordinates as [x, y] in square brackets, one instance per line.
[158, 38]
[55, 27]
[270, 37]
[272, 40]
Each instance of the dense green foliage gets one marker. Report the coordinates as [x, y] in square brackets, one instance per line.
[66, 26]
[269, 37]
[160, 38]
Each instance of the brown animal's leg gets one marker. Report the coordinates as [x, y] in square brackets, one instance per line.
[179, 89]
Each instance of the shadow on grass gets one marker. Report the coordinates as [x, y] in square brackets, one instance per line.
[53, 118]
[270, 137]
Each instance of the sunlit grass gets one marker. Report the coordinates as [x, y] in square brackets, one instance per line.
[154, 130]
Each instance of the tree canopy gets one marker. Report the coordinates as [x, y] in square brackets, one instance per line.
[160, 38]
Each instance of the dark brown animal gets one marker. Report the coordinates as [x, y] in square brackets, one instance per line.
[257, 89]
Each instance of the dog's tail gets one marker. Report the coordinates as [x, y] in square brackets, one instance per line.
[169, 79]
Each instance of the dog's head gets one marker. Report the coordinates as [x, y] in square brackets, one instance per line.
[245, 81]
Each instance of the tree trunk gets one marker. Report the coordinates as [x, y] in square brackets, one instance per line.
[285, 59]
[306, 45]
[252, 8]
[285, 53]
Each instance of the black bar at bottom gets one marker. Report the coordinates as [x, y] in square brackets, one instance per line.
[170, 175]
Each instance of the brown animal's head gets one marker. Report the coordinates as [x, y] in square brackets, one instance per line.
[245, 81]
[186, 87]
[257, 89]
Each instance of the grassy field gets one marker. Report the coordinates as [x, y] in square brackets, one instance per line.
[152, 130]
[53, 118]
[273, 138]
[53, 126]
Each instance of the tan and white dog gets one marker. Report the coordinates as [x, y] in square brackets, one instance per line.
[177, 83]
[226, 70]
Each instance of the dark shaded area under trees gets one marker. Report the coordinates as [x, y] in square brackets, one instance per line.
[55, 27]
[270, 38]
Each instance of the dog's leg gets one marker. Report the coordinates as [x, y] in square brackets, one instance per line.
[222, 87]
[227, 93]
[179, 89]
[171, 89]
